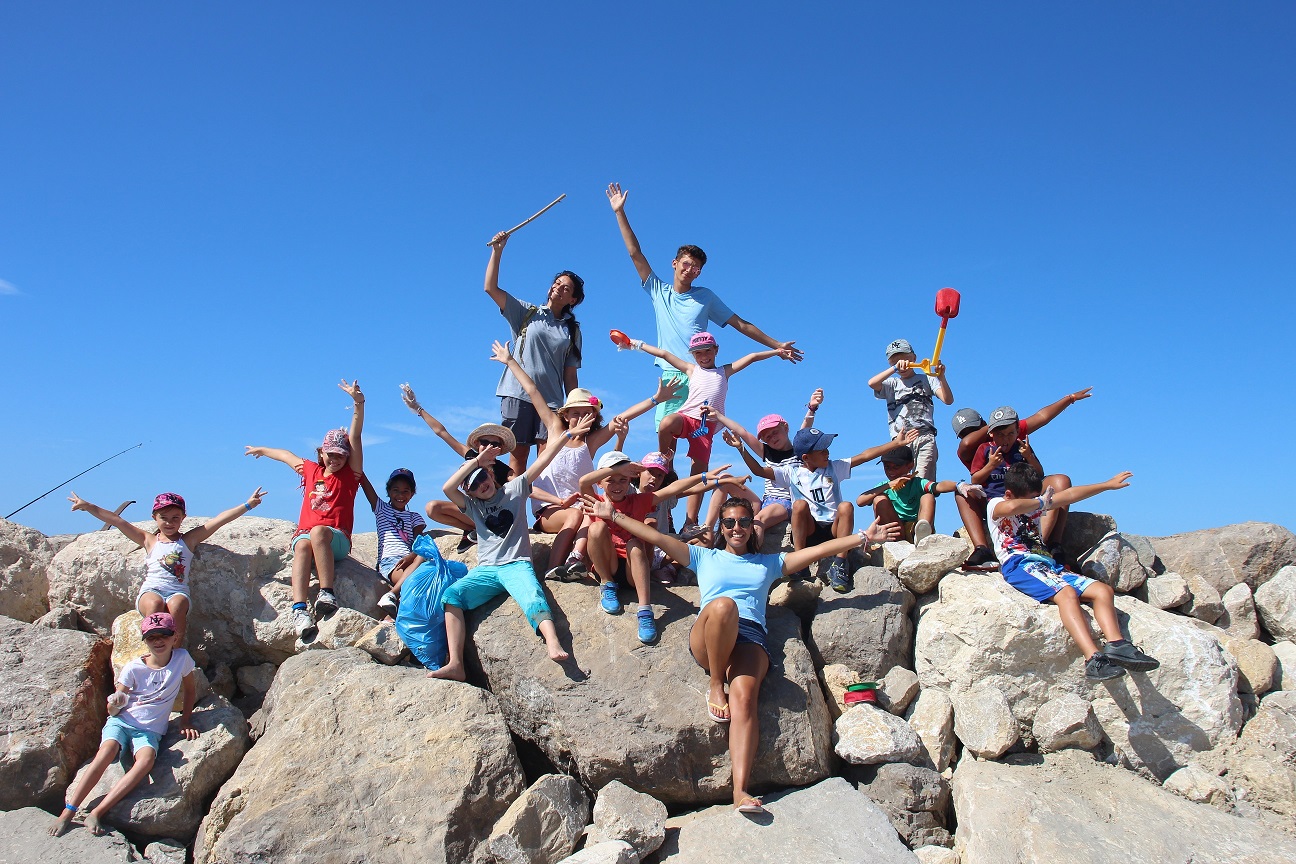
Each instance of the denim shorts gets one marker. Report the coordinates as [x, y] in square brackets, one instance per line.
[129, 737]
[341, 545]
[387, 565]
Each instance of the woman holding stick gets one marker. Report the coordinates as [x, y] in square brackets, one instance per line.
[728, 639]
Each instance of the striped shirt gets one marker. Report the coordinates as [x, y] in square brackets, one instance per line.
[395, 529]
[706, 386]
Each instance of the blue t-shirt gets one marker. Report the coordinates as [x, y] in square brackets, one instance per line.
[746, 580]
[679, 316]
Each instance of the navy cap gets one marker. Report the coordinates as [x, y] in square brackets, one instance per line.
[402, 474]
[807, 440]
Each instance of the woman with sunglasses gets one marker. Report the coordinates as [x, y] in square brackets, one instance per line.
[728, 639]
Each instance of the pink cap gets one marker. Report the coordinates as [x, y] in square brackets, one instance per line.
[156, 622]
[655, 460]
[168, 499]
[701, 340]
[336, 441]
[769, 421]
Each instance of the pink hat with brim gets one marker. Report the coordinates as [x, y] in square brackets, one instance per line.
[168, 499]
[655, 460]
[769, 421]
[156, 622]
[701, 340]
[336, 441]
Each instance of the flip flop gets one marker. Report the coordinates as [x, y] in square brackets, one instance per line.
[712, 708]
[752, 807]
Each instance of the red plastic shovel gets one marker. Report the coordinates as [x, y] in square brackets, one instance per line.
[947, 307]
[619, 339]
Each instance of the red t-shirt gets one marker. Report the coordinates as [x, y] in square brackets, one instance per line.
[636, 506]
[328, 500]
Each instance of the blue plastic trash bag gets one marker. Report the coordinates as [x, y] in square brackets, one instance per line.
[421, 619]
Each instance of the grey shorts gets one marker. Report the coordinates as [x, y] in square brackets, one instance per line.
[520, 417]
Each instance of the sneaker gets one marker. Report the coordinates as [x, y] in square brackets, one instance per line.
[574, 570]
[922, 530]
[981, 559]
[467, 541]
[1129, 656]
[389, 603]
[838, 577]
[558, 574]
[692, 532]
[647, 627]
[1099, 668]
[304, 625]
[325, 604]
[609, 600]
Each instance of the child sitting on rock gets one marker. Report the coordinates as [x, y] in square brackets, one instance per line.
[908, 394]
[1014, 522]
[908, 500]
[140, 709]
[397, 527]
[708, 385]
[327, 514]
[503, 549]
[169, 554]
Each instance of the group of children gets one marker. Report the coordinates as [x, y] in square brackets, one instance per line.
[1014, 515]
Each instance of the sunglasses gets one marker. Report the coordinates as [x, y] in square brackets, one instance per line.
[741, 522]
[490, 442]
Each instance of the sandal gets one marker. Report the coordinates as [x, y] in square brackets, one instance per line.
[752, 807]
[712, 708]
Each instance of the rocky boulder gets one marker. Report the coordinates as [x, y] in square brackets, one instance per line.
[607, 852]
[541, 826]
[1166, 591]
[1204, 602]
[932, 717]
[53, 690]
[868, 628]
[620, 813]
[24, 839]
[1286, 653]
[1239, 618]
[348, 745]
[1262, 765]
[1123, 561]
[1250, 552]
[930, 560]
[1275, 601]
[1197, 784]
[1066, 721]
[984, 721]
[25, 553]
[621, 710]
[1083, 531]
[916, 800]
[867, 735]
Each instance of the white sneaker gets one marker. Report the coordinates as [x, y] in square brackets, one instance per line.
[389, 603]
[922, 531]
[305, 625]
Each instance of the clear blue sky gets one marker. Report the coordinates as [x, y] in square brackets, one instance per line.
[213, 213]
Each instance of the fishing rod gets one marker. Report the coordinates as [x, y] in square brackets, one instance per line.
[70, 479]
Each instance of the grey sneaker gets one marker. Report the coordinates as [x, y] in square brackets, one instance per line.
[1129, 656]
[325, 604]
[557, 574]
[304, 625]
[574, 570]
[922, 530]
[1099, 668]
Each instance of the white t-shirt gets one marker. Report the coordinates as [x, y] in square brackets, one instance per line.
[153, 691]
[706, 386]
[562, 476]
[395, 529]
[1014, 535]
[820, 489]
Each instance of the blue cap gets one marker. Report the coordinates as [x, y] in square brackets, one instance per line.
[402, 474]
[807, 440]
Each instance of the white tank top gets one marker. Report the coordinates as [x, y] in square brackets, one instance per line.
[709, 386]
[563, 476]
[168, 565]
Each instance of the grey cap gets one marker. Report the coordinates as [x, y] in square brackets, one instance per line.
[899, 346]
[966, 420]
[1001, 417]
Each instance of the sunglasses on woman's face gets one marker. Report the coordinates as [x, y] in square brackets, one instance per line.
[741, 522]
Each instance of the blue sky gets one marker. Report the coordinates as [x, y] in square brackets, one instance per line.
[212, 214]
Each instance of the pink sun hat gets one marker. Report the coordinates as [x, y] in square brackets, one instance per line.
[769, 421]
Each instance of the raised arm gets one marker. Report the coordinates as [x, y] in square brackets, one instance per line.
[1048, 413]
[681, 365]
[872, 453]
[941, 389]
[451, 486]
[370, 492]
[1051, 500]
[438, 428]
[133, 534]
[598, 475]
[292, 460]
[685, 485]
[743, 362]
[617, 198]
[666, 390]
[875, 533]
[197, 535]
[672, 546]
[729, 423]
[580, 427]
[754, 333]
[357, 424]
[815, 403]
[749, 458]
[994, 458]
[500, 354]
[875, 383]
[499, 295]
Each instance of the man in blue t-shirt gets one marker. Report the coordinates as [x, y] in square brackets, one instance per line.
[681, 309]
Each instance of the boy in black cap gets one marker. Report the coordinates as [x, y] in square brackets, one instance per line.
[909, 500]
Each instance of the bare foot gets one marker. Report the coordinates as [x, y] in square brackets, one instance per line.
[454, 672]
[93, 825]
[61, 824]
[718, 699]
[556, 653]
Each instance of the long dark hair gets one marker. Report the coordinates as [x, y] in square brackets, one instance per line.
[753, 545]
[578, 296]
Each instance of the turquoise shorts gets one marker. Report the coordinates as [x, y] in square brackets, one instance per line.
[341, 545]
[129, 737]
[485, 583]
[672, 405]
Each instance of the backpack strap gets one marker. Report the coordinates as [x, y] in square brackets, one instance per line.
[526, 322]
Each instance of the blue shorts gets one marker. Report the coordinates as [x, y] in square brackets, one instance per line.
[1041, 578]
[387, 565]
[785, 503]
[340, 544]
[749, 632]
[129, 737]
[486, 582]
[670, 406]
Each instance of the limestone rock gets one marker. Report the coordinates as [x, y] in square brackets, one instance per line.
[1167, 591]
[620, 813]
[867, 628]
[932, 717]
[829, 821]
[800, 596]
[1262, 764]
[1285, 651]
[172, 801]
[1123, 561]
[222, 680]
[620, 710]
[931, 559]
[607, 852]
[53, 688]
[60, 618]
[894, 553]
[25, 553]
[1275, 601]
[1250, 552]
[343, 629]
[24, 838]
[1205, 603]
[1071, 808]
[1197, 784]
[984, 721]
[1239, 617]
[541, 826]
[1083, 531]
[254, 683]
[441, 744]
[936, 855]
[1258, 667]
[898, 689]
[866, 735]
[916, 801]
[1066, 721]
[166, 852]
[837, 678]
[240, 587]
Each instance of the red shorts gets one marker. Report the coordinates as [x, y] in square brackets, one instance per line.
[699, 449]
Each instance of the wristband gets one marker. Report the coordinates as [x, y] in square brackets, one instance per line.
[247, 505]
[567, 434]
[653, 400]
[70, 807]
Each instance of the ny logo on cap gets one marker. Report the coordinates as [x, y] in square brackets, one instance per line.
[155, 620]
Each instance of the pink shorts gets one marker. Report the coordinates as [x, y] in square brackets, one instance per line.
[699, 449]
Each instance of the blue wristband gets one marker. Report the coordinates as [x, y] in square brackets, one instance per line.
[247, 505]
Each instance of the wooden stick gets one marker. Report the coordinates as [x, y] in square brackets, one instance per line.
[533, 218]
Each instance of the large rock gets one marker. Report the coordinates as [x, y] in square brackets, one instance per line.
[1286, 653]
[1070, 808]
[1123, 561]
[241, 596]
[1258, 667]
[541, 826]
[1066, 721]
[1083, 531]
[53, 690]
[829, 821]
[365, 762]
[1275, 601]
[931, 559]
[1262, 764]
[620, 813]
[1197, 784]
[984, 721]
[866, 735]
[894, 553]
[186, 774]
[1167, 591]
[25, 553]
[607, 852]
[916, 800]
[932, 717]
[1204, 602]
[1239, 617]
[898, 689]
[868, 628]
[620, 710]
[836, 678]
[1250, 552]
[25, 839]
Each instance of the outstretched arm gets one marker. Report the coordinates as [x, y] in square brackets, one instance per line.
[685, 485]
[451, 486]
[202, 532]
[438, 428]
[580, 427]
[133, 534]
[672, 546]
[499, 295]
[292, 460]
[816, 401]
[1051, 500]
[639, 345]
[875, 533]
[747, 438]
[743, 362]
[357, 424]
[876, 452]
[1045, 415]
[665, 391]
[749, 458]
[617, 198]
[754, 333]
